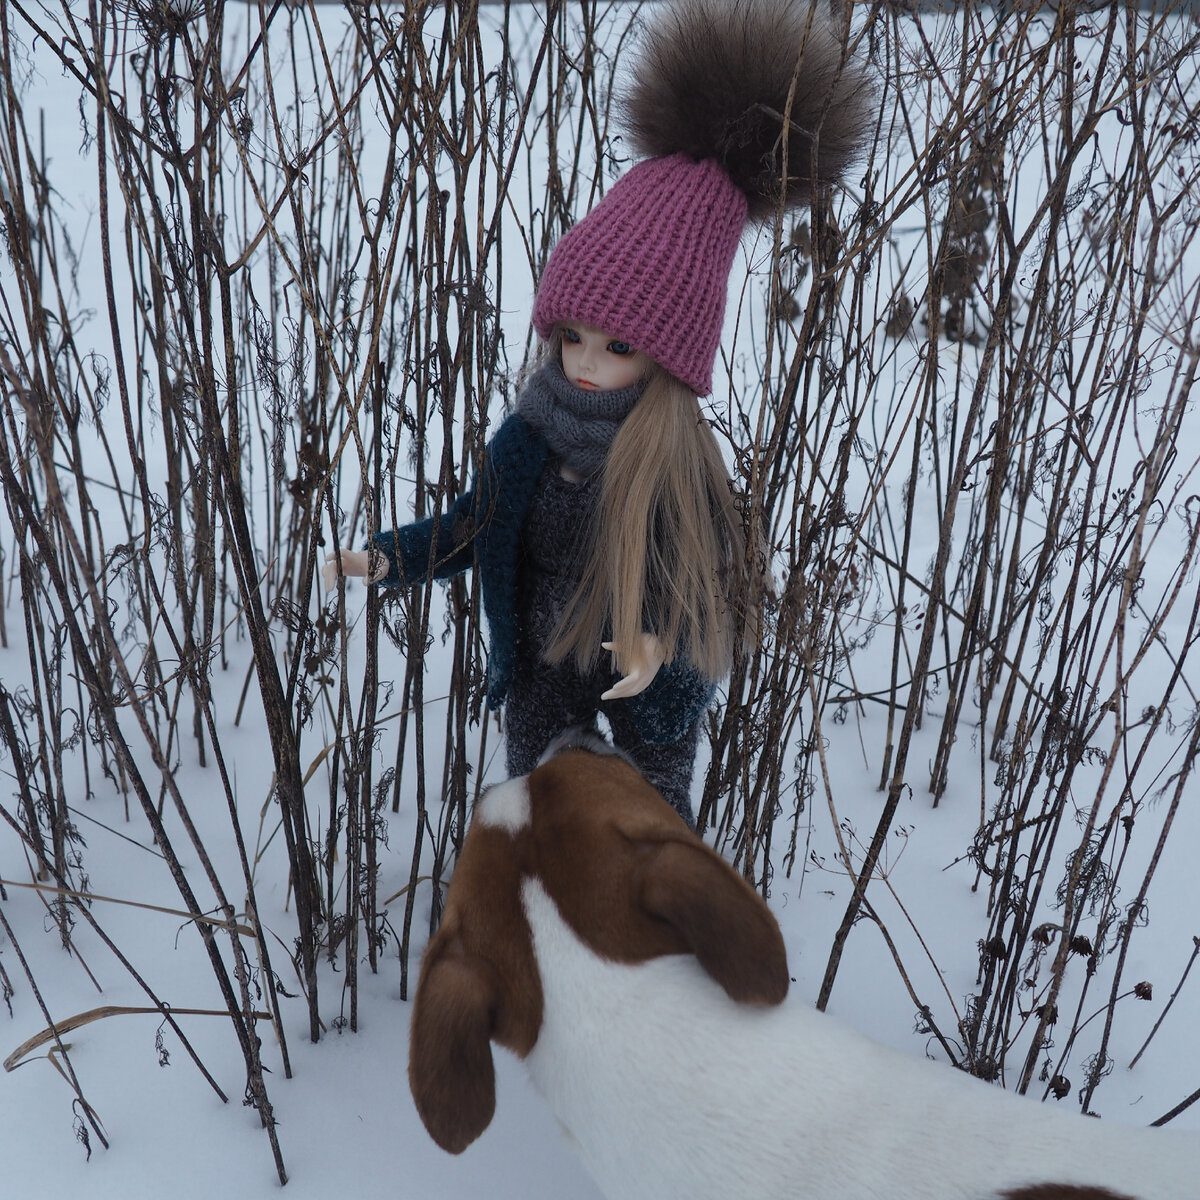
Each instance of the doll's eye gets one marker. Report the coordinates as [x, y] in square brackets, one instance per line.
[619, 348]
[569, 335]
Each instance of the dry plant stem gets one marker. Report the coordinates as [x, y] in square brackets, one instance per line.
[159, 1006]
[84, 663]
[55, 1032]
[33, 828]
[1182, 1106]
[256, 1085]
[67, 1069]
[921, 665]
[1133, 913]
[199, 918]
[1167, 1007]
[848, 865]
[19, 501]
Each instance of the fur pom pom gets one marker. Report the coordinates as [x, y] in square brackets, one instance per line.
[713, 80]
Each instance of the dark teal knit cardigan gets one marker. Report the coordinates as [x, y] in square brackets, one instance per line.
[483, 529]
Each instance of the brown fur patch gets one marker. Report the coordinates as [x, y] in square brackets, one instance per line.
[479, 983]
[635, 883]
[450, 1069]
[1062, 1191]
[484, 913]
[714, 78]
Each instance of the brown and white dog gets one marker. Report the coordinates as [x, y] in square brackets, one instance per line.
[642, 981]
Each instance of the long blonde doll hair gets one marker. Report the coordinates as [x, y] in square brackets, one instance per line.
[666, 547]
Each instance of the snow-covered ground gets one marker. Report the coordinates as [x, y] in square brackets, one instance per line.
[346, 1122]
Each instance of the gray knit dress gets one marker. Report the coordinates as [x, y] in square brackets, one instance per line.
[545, 698]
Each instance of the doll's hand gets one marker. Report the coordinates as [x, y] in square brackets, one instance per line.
[640, 671]
[371, 564]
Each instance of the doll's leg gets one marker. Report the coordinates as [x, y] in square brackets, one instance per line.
[669, 768]
[542, 702]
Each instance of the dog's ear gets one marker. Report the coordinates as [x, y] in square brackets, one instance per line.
[719, 916]
[450, 1068]
[479, 983]
[634, 883]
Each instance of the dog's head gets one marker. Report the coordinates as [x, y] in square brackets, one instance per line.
[629, 878]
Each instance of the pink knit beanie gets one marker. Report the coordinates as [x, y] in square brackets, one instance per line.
[650, 263]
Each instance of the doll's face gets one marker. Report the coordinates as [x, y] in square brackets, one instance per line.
[592, 359]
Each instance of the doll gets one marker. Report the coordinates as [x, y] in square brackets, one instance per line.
[602, 518]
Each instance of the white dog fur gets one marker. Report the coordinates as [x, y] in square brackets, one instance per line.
[641, 979]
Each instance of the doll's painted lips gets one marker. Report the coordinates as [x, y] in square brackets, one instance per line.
[586, 383]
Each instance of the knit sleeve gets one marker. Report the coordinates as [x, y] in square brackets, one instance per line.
[412, 554]
[666, 710]
[487, 511]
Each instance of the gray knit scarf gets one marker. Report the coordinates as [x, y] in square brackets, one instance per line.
[578, 424]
